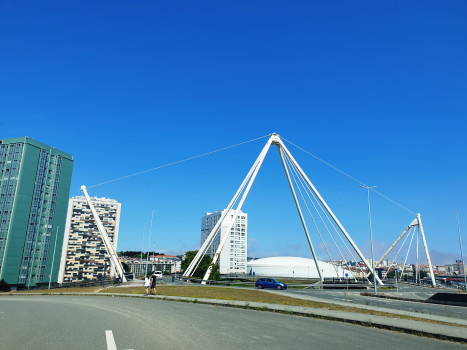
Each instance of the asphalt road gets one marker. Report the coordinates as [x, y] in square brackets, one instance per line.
[78, 322]
[405, 291]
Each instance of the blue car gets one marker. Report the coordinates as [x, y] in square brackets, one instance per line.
[269, 283]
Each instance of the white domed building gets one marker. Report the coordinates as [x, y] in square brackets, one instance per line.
[288, 266]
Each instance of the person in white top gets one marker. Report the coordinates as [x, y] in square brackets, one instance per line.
[147, 282]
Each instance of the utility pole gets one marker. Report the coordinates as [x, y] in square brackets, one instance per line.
[462, 255]
[149, 243]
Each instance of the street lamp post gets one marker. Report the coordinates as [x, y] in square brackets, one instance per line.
[154, 256]
[53, 258]
[103, 274]
[397, 288]
[149, 243]
[371, 238]
[141, 258]
[462, 255]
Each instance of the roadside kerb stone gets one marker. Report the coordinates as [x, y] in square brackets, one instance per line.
[417, 327]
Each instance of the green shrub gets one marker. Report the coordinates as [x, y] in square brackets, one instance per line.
[4, 287]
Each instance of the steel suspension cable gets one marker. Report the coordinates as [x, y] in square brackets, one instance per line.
[177, 162]
[287, 161]
[317, 211]
[337, 232]
[308, 188]
[305, 188]
[332, 225]
[390, 267]
[382, 195]
[408, 250]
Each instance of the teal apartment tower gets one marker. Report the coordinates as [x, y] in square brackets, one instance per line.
[35, 184]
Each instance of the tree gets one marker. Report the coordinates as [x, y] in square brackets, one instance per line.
[137, 254]
[126, 267]
[392, 273]
[423, 274]
[203, 266]
[4, 286]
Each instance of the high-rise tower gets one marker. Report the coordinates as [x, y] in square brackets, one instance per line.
[35, 184]
[233, 257]
[84, 255]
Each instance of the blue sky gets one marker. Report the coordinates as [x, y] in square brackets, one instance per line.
[376, 89]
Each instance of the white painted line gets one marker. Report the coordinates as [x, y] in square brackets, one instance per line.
[110, 340]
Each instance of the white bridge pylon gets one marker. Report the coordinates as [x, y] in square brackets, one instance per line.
[416, 223]
[288, 162]
[115, 263]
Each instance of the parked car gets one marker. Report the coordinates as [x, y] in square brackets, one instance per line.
[269, 283]
[158, 274]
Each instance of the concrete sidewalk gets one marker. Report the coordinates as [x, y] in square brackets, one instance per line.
[415, 327]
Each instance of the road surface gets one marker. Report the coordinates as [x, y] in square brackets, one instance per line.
[79, 322]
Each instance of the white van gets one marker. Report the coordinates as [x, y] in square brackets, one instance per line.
[158, 274]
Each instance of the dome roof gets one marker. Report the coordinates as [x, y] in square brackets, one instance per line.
[284, 261]
[291, 266]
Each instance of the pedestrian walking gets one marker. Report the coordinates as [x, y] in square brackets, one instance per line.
[147, 283]
[153, 282]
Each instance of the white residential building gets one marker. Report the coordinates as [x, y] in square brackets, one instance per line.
[234, 254]
[84, 255]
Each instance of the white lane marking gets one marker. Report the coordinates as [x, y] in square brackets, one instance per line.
[110, 340]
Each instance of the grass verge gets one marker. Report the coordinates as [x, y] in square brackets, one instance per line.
[58, 290]
[261, 297]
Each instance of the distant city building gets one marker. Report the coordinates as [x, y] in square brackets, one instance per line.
[174, 261]
[233, 257]
[84, 254]
[138, 267]
[442, 269]
[34, 188]
[458, 267]
[162, 257]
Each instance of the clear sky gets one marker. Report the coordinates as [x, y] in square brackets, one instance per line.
[378, 89]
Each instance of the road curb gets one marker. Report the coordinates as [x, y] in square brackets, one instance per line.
[458, 334]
